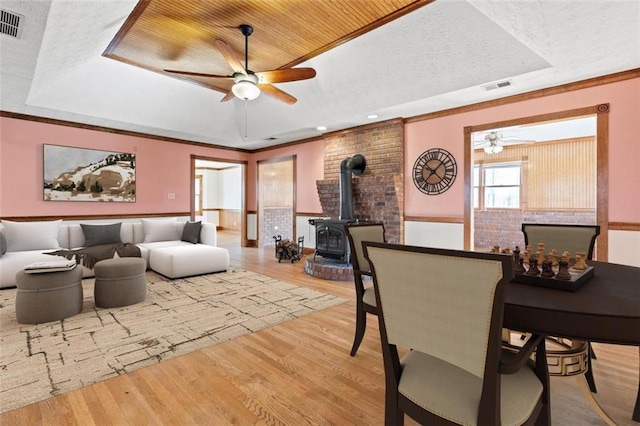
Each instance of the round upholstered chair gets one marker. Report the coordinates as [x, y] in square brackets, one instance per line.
[120, 282]
[48, 296]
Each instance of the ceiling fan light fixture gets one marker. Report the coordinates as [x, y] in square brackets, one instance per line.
[493, 149]
[494, 143]
[246, 90]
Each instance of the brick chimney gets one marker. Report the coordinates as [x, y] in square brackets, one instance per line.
[378, 193]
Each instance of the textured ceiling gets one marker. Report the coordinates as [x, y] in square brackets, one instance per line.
[434, 58]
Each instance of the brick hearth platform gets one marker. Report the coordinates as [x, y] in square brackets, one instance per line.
[328, 269]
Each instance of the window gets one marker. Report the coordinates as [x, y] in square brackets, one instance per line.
[497, 185]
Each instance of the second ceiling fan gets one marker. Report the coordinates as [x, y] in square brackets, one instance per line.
[248, 84]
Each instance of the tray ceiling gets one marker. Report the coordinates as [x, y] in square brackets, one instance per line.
[438, 56]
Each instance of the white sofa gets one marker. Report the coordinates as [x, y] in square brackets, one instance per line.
[159, 241]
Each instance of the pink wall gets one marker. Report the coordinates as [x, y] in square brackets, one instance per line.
[161, 167]
[624, 146]
[164, 167]
[418, 137]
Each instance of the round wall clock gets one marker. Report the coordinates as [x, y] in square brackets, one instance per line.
[435, 171]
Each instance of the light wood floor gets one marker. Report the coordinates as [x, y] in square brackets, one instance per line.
[296, 373]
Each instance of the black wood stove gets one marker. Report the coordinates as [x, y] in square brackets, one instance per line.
[331, 237]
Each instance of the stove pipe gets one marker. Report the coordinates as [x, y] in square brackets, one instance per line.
[355, 164]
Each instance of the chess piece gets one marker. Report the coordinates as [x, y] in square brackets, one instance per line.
[518, 266]
[580, 264]
[540, 255]
[526, 254]
[495, 249]
[505, 250]
[547, 271]
[533, 266]
[563, 270]
[553, 257]
[566, 256]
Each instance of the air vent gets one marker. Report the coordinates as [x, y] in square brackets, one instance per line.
[499, 85]
[10, 23]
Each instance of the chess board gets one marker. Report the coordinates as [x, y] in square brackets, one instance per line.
[578, 278]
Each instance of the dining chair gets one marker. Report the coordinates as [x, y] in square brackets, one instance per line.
[365, 296]
[574, 239]
[444, 309]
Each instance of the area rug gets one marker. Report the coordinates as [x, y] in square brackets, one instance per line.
[177, 317]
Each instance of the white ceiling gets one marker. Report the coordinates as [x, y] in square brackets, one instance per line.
[219, 165]
[435, 58]
[542, 132]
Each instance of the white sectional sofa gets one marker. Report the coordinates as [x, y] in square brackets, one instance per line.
[163, 243]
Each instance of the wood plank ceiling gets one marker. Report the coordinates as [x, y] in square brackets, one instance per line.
[180, 35]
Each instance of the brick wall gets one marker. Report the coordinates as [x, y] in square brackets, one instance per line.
[504, 227]
[378, 193]
[283, 219]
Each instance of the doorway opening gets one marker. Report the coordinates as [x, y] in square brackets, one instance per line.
[543, 169]
[217, 196]
[276, 199]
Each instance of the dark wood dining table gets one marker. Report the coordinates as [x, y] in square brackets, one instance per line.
[605, 309]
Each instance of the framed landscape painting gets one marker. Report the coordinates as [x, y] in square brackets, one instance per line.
[80, 174]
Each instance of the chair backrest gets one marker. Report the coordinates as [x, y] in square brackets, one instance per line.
[571, 238]
[357, 233]
[445, 303]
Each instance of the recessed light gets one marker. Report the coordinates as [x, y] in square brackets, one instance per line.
[372, 116]
[321, 128]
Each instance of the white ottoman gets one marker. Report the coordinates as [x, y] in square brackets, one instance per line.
[184, 261]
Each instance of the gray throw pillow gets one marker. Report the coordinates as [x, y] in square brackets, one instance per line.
[191, 232]
[96, 235]
[3, 244]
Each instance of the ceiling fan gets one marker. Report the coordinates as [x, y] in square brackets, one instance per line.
[248, 84]
[494, 142]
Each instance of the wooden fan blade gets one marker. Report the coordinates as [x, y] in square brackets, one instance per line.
[228, 96]
[285, 75]
[278, 94]
[200, 74]
[230, 57]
